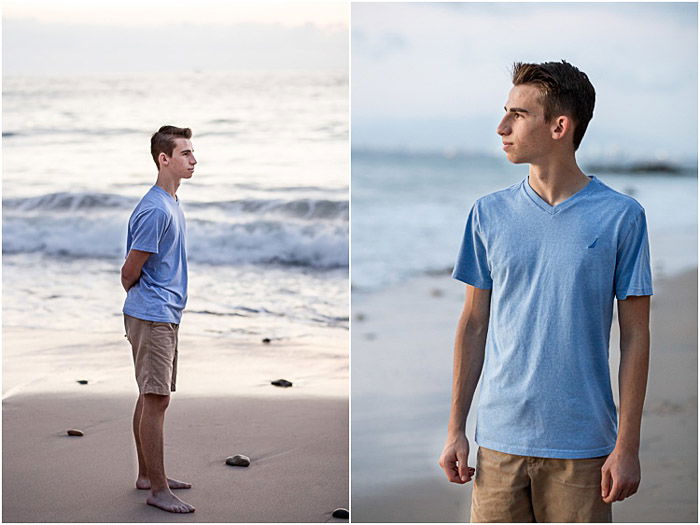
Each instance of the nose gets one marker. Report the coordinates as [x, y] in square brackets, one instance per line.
[193, 161]
[503, 128]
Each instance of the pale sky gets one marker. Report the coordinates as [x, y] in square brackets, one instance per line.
[437, 75]
[130, 13]
[67, 37]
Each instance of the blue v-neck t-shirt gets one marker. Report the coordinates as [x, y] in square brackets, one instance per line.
[553, 272]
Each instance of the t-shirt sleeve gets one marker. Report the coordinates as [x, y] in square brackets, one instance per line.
[147, 230]
[472, 264]
[633, 267]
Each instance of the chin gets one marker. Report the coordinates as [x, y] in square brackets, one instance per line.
[513, 159]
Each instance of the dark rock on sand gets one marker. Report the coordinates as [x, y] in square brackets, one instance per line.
[341, 513]
[239, 460]
[266, 340]
[75, 432]
[282, 382]
[436, 292]
[83, 381]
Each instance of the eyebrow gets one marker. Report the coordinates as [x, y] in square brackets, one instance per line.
[516, 110]
[186, 151]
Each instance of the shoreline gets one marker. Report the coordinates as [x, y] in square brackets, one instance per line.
[46, 361]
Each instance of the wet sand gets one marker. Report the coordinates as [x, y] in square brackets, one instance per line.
[401, 368]
[297, 438]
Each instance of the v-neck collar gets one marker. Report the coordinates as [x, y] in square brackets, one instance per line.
[545, 206]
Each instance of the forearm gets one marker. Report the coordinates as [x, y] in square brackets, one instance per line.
[634, 367]
[129, 280]
[470, 341]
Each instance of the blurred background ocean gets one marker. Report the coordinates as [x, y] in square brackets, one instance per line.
[410, 208]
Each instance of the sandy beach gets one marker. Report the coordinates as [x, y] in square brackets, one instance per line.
[297, 438]
[401, 369]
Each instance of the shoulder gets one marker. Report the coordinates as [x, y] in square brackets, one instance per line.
[150, 209]
[620, 200]
[156, 199]
[617, 201]
[497, 199]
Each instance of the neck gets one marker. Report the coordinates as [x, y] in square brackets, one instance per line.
[557, 179]
[168, 184]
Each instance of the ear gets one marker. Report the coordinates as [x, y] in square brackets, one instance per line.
[562, 126]
[163, 159]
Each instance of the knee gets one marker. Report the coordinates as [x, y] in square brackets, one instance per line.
[156, 401]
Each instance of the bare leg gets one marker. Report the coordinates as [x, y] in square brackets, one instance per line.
[142, 481]
[143, 473]
[151, 438]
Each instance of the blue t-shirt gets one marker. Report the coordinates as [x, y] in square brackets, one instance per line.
[554, 272]
[157, 225]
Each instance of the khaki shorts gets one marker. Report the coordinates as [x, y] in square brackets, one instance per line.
[154, 348]
[523, 489]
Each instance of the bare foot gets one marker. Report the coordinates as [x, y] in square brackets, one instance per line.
[166, 500]
[145, 484]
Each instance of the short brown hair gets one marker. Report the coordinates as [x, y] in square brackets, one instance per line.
[163, 141]
[565, 91]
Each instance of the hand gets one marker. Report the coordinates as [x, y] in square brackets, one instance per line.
[453, 460]
[621, 476]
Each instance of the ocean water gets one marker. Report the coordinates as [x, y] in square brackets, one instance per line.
[267, 209]
[409, 211]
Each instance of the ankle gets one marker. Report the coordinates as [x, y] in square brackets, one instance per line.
[157, 491]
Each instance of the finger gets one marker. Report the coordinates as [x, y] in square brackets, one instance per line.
[622, 494]
[450, 468]
[628, 491]
[471, 471]
[463, 467]
[469, 474]
[605, 484]
[614, 491]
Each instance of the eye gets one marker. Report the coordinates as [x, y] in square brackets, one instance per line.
[517, 115]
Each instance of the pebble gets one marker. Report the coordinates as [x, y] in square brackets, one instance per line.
[360, 317]
[341, 513]
[83, 381]
[239, 460]
[282, 382]
[266, 340]
[75, 432]
[436, 292]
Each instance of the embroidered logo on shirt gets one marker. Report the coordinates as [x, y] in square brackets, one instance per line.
[594, 243]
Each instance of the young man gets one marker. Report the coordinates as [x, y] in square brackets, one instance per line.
[543, 261]
[155, 278]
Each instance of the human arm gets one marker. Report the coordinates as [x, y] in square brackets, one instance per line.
[621, 471]
[131, 270]
[470, 342]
